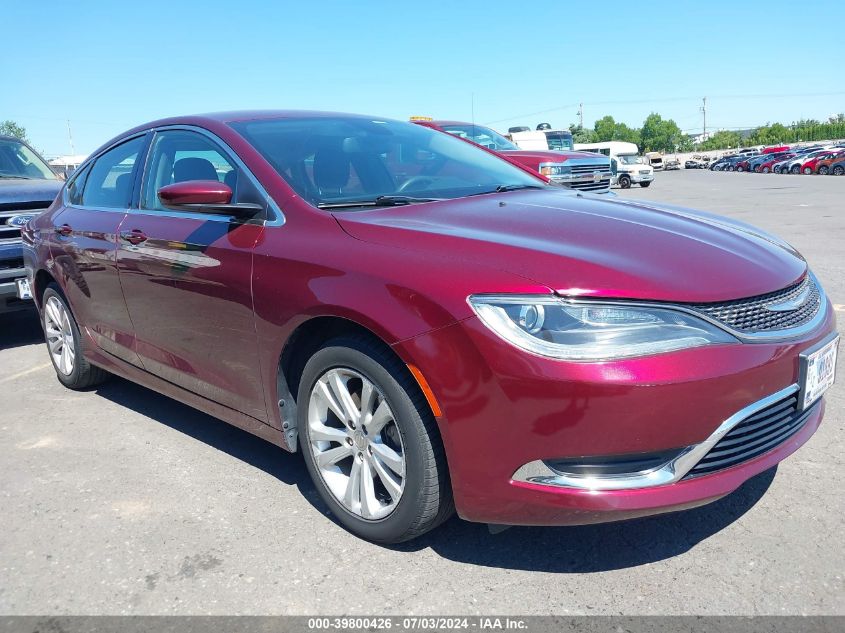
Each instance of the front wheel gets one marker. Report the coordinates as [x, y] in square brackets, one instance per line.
[740, 168]
[371, 443]
[625, 182]
[64, 343]
[808, 170]
[765, 170]
[823, 170]
[645, 184]
[776, 170]
[838, 170]
[795, 169]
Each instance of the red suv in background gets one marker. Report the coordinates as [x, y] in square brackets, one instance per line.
[585, 171]
[432, 326]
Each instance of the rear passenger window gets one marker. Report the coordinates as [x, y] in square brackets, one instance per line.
[109, 181]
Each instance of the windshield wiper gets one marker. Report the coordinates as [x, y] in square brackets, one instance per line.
[380, 201]
[503, 188]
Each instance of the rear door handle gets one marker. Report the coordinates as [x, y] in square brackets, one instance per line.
[134, 237]
[64, 230]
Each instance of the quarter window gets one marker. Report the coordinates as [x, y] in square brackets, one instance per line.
[109, 181]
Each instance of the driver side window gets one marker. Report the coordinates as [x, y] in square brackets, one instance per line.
[180, 155]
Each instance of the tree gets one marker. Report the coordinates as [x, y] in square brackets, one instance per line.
[604, 129]
[658, 135]
[10, 128]
[581, 135]
[723, 139]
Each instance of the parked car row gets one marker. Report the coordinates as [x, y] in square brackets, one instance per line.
[806, 160]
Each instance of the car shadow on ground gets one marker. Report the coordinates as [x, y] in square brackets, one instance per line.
[18, 329]
[579, 549]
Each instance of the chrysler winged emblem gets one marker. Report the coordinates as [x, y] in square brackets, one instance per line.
[790, 305]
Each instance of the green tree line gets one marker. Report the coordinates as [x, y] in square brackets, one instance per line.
[663, 135]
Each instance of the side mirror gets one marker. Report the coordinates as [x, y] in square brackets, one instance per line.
[204, 196]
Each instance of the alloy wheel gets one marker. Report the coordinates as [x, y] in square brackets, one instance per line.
[59, 335]
[356, 444]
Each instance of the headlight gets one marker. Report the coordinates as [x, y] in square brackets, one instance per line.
[554, 169]
[570, 330]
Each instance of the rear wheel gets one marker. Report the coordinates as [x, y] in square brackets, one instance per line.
[765, 170]
[823, 170]
[796, 169]
[371, 443]
[64, 343]
[740, 168]
[625, 181]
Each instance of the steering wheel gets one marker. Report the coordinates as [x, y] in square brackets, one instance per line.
[414, 180]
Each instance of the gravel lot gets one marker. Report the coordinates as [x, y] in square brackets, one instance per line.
[121, 501]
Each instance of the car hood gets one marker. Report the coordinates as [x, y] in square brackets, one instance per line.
[579, 244]
[20, 190]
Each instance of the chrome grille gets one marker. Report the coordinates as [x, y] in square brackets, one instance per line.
[590, 168]
[599, 185]
[755, 435]
[759, 314]
[9, 233]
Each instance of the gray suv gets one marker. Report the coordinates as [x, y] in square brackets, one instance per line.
[27, 187]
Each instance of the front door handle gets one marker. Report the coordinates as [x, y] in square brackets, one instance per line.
[64, 230]
[134, 237]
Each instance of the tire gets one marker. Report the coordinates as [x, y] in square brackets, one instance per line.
[64, 343]
[823, 170]
[625, 182]
[424, 492]
[838, 170]
[808, 170]
[731, 168]
[645, 184]
[740, 168]
[765, 170]
[795, 169]
[776, 169]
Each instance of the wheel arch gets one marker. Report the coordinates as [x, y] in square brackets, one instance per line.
[308, 337]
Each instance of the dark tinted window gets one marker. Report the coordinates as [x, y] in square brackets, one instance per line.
[109, 181]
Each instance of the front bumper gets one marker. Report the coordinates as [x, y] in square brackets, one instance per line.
[11, 269]
[637, 178]
[504, 408]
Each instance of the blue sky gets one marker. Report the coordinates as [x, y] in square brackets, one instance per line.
[106, 66]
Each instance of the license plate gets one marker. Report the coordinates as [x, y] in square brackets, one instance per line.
[24, 291]
[819, 372]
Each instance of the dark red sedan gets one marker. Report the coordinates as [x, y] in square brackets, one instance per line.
[432, 326]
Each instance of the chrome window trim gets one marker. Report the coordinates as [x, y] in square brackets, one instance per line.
[278, 220]
[537, 472]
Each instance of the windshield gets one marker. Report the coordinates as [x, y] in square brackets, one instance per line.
[333, 160]
[629, 159]
[18, 161]
[481, 135]
[559, 140]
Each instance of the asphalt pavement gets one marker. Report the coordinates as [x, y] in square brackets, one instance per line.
[121, 501]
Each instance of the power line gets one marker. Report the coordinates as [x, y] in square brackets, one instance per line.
[668, 100]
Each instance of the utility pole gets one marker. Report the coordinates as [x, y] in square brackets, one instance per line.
[704, 114]
[70, 138]
[581, 115]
